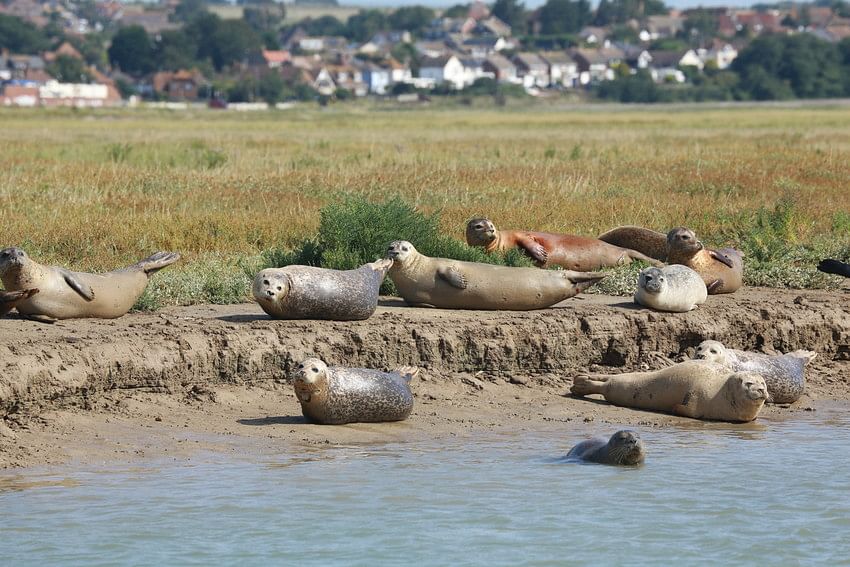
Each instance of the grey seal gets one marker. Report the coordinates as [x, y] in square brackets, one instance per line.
[623, 448]
[784, 374]
[307, 292]
[673, 288]
[334, 395]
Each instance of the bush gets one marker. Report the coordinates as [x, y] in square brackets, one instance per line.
[356, 231]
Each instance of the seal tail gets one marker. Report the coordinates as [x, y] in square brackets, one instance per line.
[407, 372]
[156, 262]
[806, 355]
[583, 280]
[646, 241]
[830, 266]
[9, 299]
[584, 385]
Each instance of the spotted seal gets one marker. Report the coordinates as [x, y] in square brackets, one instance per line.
[673, 288]
[64, 294]
[8, 299]
[623, 448]
[549, 249]
[307, 292]
[453, 284]
[695, 388]
[333, 395]
[784, 374]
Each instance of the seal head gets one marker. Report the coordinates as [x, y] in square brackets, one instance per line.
[480, 232]
[683, 241]
[401, 251]
[310, 380]
[713, 351]
[651, 280]
[271, 286]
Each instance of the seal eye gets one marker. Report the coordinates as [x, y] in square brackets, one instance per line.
[404, 248]
[279, 288]
[300, 367]
[479, 227]
[265, 282]
[314, 369]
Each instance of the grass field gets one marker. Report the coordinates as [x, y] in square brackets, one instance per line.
[99, 189]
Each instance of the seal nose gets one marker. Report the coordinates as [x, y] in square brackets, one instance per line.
[270, 293]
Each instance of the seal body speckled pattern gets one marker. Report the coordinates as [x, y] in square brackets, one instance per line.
[623, 448]
[320, 293]
[672, 288]
[360, 395]
[784, 374]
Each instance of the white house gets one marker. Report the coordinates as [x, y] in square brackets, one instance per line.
[473, 69]
[445, 69]
[563, 71]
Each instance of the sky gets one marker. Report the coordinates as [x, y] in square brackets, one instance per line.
[535, 3]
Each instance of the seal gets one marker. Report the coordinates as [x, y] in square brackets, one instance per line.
[784, 374]
[452, 284]
[64, 294]
[721, 270]
[837, 267]
[695, 388]
[9, 299]
[673, 288]
[623, 448]
[550, 249]
[307, 292]
[335, 395]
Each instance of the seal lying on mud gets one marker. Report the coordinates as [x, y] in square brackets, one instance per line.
[453, 284]
[721, 270]
[784, 374]
[694, 388]
[549, 249]
[8, 299]
[336, 395]
[623, 448]
[836, 267]
[673, 288]
[306, 292]
[64, 294]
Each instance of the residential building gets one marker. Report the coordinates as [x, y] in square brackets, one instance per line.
[502, 68]
[532, 69]
[563, 70]
[445, 69]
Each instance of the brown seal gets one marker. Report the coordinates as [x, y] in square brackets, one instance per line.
[721, 270]
[64, 294]
[307, 292]
[333, 395]
[623, 448]
[453, 284]
[9, 299]
[550, 249]
[695, 388]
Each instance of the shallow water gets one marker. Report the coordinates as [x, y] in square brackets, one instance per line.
[773, 492]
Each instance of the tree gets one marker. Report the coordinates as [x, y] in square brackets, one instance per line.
[132, 51]
[323, 26]
[264, 17]
[175, 50]
[512, 12]
[633, 88]
[700, 26]
[456, 11]
[564, 16]
[19, 36]
[222, 42]
[411, 18]
[270, 88]
[67, 69]
[188, 10]
[365, 24]
[621, 11]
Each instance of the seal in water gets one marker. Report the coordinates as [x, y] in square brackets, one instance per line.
[451, 284]
[673, 288]
[784, 374]
[721, 270]
[836, 267]
[8, 299]
[335, 395]
[623, 448]
[306, 292]
[549, 249]
[64, 294]
[694, 388]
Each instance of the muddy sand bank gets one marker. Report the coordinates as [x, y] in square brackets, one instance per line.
[213, 378]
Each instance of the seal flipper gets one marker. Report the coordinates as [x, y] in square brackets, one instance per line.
[830, 266]
[583, 280]
[40, 318]
[85, 290]
[722, 258]
[714, 286]
[533, 248]
[453, 277]
[10, 299]
[155, 262]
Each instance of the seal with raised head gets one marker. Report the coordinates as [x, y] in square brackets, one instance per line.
[307, 292]
[9, 299]
[721, 270]
[64, 294]
[550, 249]
[623, 448]
[694, 388]
[784, 374]
[452, 284]
[673, 288]
[333, 395]
[837, 267]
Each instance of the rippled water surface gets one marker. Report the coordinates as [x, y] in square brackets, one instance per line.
[774, 492]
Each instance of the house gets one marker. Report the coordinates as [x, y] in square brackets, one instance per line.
[637, 57]
[269, 59]
[431, 48]
[502, 69]
[596, 65]
[181, 85]
[473, 69]
[154, 21]
[348, 77]
[24, 68]
[478, 10]
[659, 27]
[493, 26]
[77, 95]
[664, 67]
[563, 70]
[532, 69]
[19, 95]
[377, 79]
[322, 43]
[383, 42]
[65, 49]
[593, 35]
[720, 55]
[484, 46]
[28, 10]
[399, 72]
[444, 69]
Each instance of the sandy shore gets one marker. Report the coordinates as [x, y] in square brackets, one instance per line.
[212, 378]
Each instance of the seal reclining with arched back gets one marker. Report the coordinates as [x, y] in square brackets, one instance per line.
[64, 294]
